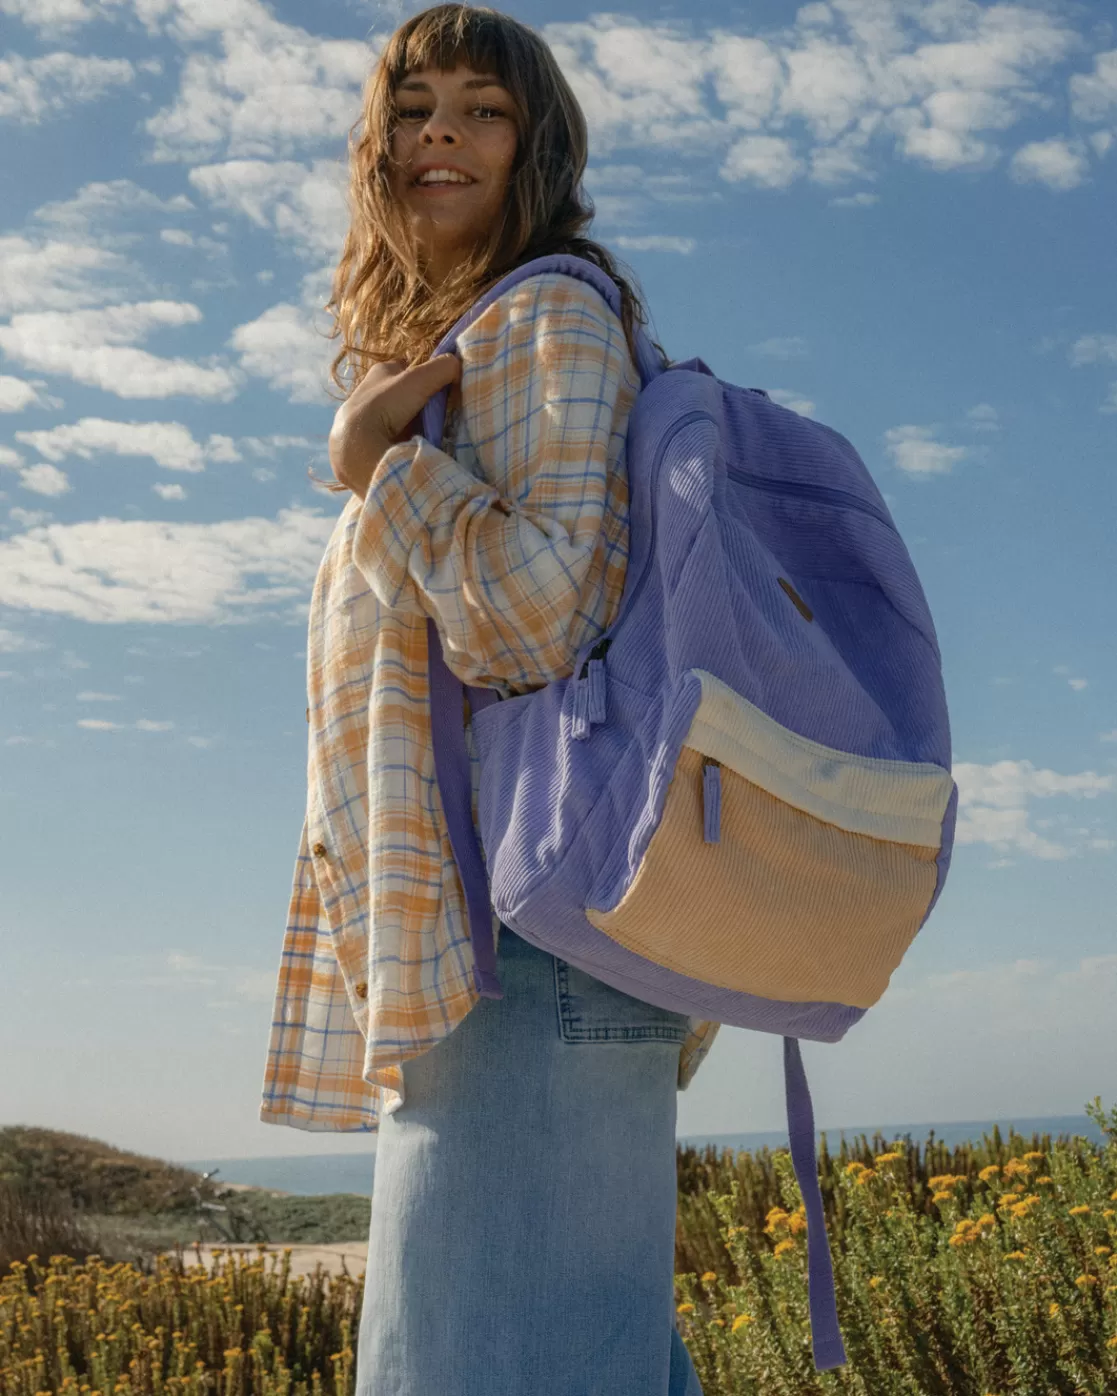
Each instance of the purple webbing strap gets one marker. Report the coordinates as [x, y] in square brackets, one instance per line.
[451, 768]
[826, 1336]
[451, 759]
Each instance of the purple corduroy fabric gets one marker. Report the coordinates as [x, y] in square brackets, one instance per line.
[574, 776]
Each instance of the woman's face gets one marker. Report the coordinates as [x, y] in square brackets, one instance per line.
[462, 122]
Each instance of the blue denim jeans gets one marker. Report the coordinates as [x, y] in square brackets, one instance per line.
[522, 1240]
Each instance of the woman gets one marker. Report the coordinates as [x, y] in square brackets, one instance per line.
[523, 1213]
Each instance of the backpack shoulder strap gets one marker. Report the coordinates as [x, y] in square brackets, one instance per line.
[648, 362]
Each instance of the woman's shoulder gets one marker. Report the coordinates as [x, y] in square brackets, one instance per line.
[546, 298]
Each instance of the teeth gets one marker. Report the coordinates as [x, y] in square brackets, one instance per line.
[443, 177]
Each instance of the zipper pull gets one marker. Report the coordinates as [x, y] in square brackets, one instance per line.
[711, 800]
[599, 651]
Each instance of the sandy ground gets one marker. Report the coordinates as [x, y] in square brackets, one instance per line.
[341, 1255]
[335, 1258]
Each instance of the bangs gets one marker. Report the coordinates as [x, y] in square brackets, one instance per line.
[449, 36]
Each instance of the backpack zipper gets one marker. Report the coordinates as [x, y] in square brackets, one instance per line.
[825, 494]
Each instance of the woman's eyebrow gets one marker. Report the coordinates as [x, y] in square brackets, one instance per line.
[414, 85]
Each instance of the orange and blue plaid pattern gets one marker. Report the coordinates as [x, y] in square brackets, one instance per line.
[516, 544]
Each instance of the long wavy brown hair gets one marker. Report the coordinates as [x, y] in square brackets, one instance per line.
[382, 303]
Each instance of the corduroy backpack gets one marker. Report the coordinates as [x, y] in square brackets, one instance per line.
[739, 806]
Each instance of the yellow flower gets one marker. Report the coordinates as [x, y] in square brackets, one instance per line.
[1113, 1195]
[733, 1230]
[784, 1246]
[1108, 1212]
[720, 1322]
[1014, 1166]
[941, 1196]
[875, 1280]
[708, 1277]
[854, 1167]
[990, 1172]
[963, 1225]
[797, 1223]
[1016, 1255]
[1033, 1153]
[740, 1321]
[987, 1220]
[685, 1309]
[1102, 1250]
[777, 1218]
[865, 1176]
[1045, 1179]
[1084, 1280]
[1079, 1211]
[888, 1158]
[961, 1238]
[1112, 1343]
[1052, 1310]
[944, 1180]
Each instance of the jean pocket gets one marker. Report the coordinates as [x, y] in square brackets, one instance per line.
[590, 1010]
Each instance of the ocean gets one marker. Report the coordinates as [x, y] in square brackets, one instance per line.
[314, 1175]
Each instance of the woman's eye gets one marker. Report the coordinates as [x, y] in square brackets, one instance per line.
[422, 114]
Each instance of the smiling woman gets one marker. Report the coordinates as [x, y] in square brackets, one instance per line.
[523, 1214]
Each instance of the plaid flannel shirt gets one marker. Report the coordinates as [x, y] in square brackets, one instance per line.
[516, 544]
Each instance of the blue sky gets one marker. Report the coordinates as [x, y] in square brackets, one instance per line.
[896, 216]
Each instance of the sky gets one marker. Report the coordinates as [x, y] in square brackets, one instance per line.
[895, 215]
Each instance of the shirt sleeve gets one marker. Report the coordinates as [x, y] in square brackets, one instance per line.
[512, 552]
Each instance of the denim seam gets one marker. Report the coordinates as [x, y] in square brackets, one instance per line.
[571, 1032]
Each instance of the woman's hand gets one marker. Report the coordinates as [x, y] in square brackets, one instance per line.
[382, 410]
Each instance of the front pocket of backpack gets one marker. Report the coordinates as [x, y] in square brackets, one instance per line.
[823, 872]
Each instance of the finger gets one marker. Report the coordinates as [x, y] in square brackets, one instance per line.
[412, 390]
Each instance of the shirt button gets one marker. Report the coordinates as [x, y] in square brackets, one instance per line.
[361, 990]
[319, 850]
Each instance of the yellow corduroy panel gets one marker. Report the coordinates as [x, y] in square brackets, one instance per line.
[785, 907]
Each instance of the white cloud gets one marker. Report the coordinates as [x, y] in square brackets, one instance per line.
[1059, 164]
[655, 243]
[273, 89]
[28, 518]
[96, 347]
[58, 275]
[784, 347]
[283, 347]
[1094, 95]
[793, 401]
[117, 571]
[767, 161]
[984, 417]
[1094, 349]
[169, 444]
[44, 479]
[57, 14]
[993, 804]
[939, 79]
[304, 205]
[34, 88]
[915, 451]
[12, 642]
[102, 204]
[18, 393]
